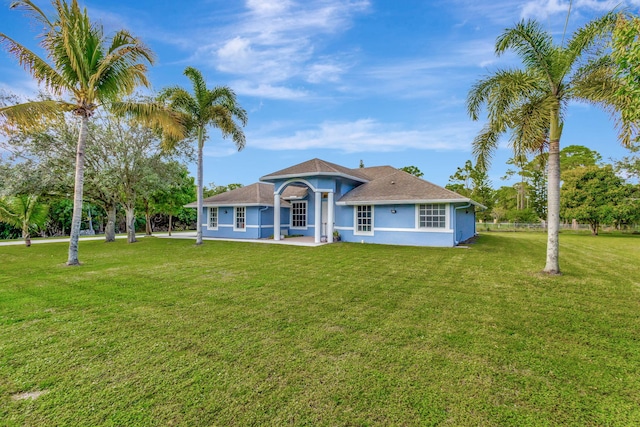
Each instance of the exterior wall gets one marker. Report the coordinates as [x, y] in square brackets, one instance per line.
[259, 223]
[465, 223]
[399, 228]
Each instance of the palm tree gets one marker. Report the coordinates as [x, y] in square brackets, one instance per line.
[531, 102]
[91, 69]
[215, 107]
[24, 212]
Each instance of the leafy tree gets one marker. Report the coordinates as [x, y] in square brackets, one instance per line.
[413, 170]
[505, 200]
[531, 102]
[630, 165]
[596, 195]
[574, 156]
[25, 212]
[92, 69]
[526, 215]
[532, 188]
[214, 189]
[215, 107]
[172, 198]
[473, 182]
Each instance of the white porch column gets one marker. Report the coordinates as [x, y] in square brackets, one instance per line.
[330, 217]
[318, 230]
[276, 216]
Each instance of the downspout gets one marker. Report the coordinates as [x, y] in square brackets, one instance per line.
[260, 221]
[467, 206]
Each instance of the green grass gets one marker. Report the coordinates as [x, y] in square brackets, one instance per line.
[162, 332]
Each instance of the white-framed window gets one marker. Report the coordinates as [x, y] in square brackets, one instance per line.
[213, 218]
[299, 214]
[432, 216]
[241, 216]
[363, 220]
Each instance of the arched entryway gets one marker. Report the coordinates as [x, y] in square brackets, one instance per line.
[317, 205]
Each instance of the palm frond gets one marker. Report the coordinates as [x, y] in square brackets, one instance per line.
[485, 144]
[180, 100]
[226, 97]
[23, 211]
[532, 44]
[32, 10]
[34, 65]
[587, 36]
[501, 92]
[29, 114]
[199, 86]
[155, 115]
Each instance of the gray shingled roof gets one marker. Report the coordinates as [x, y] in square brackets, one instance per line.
[316, 167]
[390, 185]
[258, 194]
[381, 185]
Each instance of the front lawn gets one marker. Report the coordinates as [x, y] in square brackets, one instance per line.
[162, 332]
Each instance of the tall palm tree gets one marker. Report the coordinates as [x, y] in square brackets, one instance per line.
[531, 103]
[92, 70]
[215, 107]
[24, 212]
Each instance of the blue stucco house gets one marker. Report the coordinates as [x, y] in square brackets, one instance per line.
[317, 198]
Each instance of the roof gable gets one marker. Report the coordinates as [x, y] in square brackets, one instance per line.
[316, 167]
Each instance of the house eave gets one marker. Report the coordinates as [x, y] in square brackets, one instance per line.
[229, 204]
[408, 202]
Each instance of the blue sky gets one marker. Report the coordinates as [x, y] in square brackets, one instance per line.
[383, 81]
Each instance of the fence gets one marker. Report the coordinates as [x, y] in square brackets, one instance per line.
[541, 226]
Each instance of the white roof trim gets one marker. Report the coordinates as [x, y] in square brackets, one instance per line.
[408, 202]
[233, 205]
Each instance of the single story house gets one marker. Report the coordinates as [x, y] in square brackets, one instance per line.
[321, 199]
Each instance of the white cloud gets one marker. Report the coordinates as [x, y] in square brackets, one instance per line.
[318, 73]
[277, 41]
[541, 9]
[368, 135]
[265, 90]
[268, 7]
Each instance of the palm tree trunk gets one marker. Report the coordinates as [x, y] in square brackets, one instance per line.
[26, 235]
[553, 196]
[110, 230]
[199, 214]
[76, 219]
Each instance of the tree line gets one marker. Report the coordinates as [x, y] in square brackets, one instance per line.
[592, 192]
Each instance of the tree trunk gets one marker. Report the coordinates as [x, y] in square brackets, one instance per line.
[199, 189]
[553, 195]
[76, 219]
[110, 230]
[131, 223]
[170, 218]
[26, 235]
[594, 228]
[147, 219]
